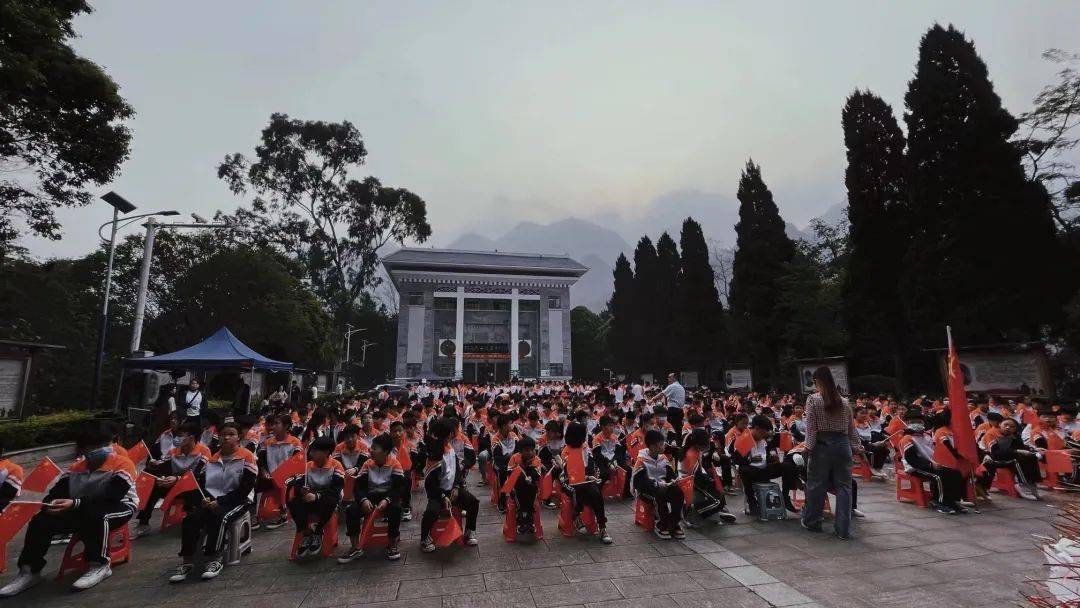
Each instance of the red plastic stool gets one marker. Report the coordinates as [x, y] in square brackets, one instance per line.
[861, 468]
[172, 514]
[566, 518]
[272, 505]
[614, 486]
[798, 501]
[376, 532]
[439, 530]
[910, 489]
[119, 541]
[644, 514]
[509, 529]
[329, 539]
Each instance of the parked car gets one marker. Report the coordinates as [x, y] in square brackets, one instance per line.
[396, 391]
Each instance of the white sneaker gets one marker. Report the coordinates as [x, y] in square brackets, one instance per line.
[213, 568]
[92, 577]
[182, 572]
[140, 530]
[470, 538]
[1026, 493]
[858, 513]
[25, 580]
[965, 503]
[427, 545]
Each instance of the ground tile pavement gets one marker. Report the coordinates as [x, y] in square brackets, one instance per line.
[900, 555]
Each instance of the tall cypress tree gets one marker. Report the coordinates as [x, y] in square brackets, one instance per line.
[983, 258]
[763, 251]
[621, 307]
[667, 285]
[646, 271]
[878, 230]
[700, 318]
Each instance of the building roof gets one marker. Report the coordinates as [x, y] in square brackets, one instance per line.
[500, 262]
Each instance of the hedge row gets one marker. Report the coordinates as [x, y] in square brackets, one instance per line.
[46, 429]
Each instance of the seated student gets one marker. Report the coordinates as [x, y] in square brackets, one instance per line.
[696, 460]
[917, 452]
[945, 454]
[403, 451]
[607, 449]
[579, 479]
[1007, 450]
[190, 455]
[550, 453]
[759, 463]
[380, 485]
[654, 481]
[249, 439]
[352, 451]
[95, 496]
[503, 445]
[277, 448]
[11, 478]
[525, 464]
[462, 446]
[875, 444]
[444, 484]
[227, 481]
[167, 440]
[315, 495]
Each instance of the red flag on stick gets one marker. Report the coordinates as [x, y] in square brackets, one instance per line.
[293, 466]
[186, 483]
[963, 434]
[138, 452]
[144, 485]
[43, 474]
[15, 517]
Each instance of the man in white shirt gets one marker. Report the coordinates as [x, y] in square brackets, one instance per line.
[674, 392]
[638, 391]
[192, 402]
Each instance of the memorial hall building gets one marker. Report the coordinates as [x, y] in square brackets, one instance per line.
[482, 316]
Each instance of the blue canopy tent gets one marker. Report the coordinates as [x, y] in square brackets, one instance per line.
[222, 350]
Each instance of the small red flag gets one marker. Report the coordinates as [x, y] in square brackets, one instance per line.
[686, 484]
[745, 443]
[1058, 461]
[293, 466]
[15, 517]
[43, 474]
[963, 434]
[138, 452]
[547, 486]
[186, 483]
[144, 485]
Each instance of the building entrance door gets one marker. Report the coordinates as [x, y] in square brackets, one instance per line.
[483, 372]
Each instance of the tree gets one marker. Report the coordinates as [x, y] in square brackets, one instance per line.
[1050, 137]
[879, 230]
[646, 271]
[621, 308]
[309, 204]
[588, 335]
[666, 302]
[700, 317]
[984, 257]
[720, 258]
[810, 294]
[60, 118]
[763, 251]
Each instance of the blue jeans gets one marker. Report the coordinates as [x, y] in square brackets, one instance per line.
[829, 468]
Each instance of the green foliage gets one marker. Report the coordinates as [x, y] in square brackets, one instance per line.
[700, 318]
[984, 257]
[309, 204]
[620, 308]
[47, 429]
[645, 332]
[588, 344]
[665, 296]
[761, 260]
[60, 118]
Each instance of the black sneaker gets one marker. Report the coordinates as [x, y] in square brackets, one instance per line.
[277, 523]
[315, 543]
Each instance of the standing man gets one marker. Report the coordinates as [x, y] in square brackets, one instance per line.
[674, 393]
[193, 402]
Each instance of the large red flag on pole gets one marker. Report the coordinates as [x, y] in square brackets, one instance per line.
[963, 434]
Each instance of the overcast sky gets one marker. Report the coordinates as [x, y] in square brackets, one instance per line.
[496, 112]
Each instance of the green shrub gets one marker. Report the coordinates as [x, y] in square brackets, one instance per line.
[46, 429]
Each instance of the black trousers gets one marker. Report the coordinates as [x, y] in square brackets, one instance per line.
[1025, 467]
[589, 495]
[156, 494]
[751, 475]
[525, 492]
[723, 462]
[215, 522]
[669, 505]
[707, 501]
[320, 511]
[876, 454]
[92, 522]
[354, 516]
[465, 501]
[946, 485]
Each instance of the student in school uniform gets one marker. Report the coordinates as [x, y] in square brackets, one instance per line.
[550, 453]
[277, 448]
[580, 479]
[503, 445]
[945, 454]
[227, 481]
[11, 478]
[352, 451]
[380, 485]
[917, 453]
[654, 480]
[444, 484]
[524, 469]
[94, 497]
[315, 494]
[1007, 450]
[168, 439]
[189, 455]
[607, 449]
[696, 460]
[758, 462]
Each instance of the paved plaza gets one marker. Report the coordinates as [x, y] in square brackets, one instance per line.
[901, 556]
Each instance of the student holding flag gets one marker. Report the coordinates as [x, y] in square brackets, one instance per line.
[11, 478]
[95, 496]
[381, 486]
[189, 455]
[227, 480]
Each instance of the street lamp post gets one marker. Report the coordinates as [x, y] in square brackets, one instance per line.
[349, 331]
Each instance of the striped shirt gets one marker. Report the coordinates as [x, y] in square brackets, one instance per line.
[839, 420]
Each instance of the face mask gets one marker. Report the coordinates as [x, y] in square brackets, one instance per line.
[96, 458]
[916, 428]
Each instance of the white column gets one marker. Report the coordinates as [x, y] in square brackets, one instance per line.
[459, 335]
[513, 332]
